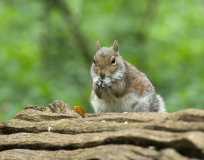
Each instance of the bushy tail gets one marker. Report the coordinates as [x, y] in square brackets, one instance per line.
[162, 107]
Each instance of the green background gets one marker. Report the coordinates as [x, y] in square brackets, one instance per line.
[46, 47]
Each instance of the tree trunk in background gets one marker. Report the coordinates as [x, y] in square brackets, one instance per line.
[59, 48]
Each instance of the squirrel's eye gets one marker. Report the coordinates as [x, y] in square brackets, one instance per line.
[113, 61]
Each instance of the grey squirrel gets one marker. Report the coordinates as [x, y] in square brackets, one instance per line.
[118, 86]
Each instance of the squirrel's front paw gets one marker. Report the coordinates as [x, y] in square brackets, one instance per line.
[100, 84]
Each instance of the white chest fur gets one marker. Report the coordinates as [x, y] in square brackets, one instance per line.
[130, 102]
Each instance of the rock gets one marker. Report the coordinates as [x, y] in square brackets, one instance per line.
[57, 132]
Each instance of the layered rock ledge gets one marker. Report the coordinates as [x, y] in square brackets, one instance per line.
[50, 134]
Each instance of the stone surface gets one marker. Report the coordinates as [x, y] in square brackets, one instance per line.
[57, 132]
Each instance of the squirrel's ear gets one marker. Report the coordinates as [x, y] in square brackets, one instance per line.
[98, 45]
[115, 46]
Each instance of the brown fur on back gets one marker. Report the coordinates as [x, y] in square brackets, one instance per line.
[137, 80]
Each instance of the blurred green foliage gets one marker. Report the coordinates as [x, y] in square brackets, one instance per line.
[46, 48]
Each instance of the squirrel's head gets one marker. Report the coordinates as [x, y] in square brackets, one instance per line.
[107, 64]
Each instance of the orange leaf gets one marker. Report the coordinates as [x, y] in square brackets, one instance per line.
[80, 110]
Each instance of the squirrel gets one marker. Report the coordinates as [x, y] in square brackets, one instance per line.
[118, 86]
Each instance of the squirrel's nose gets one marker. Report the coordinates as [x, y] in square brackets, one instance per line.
[102, 75]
